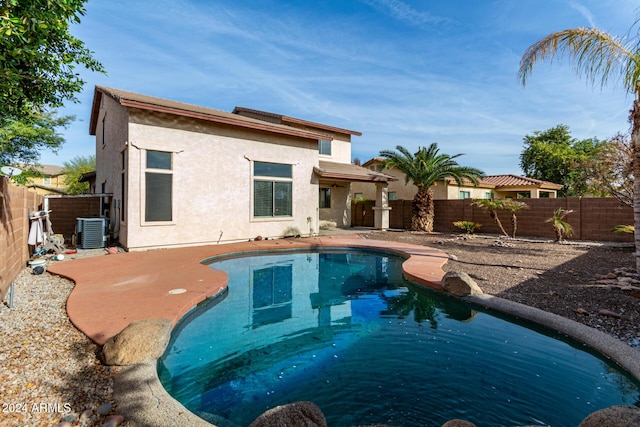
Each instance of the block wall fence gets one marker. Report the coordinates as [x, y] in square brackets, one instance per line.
[592, 218]
[15, 205]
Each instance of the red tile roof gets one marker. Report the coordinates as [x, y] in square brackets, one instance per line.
[517, 180]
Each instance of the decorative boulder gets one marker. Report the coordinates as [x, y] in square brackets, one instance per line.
[614, 416]
[141, 340]
[460, 284]
[299, 414]
[458, 423]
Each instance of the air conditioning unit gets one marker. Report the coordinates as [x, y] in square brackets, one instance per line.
[92, 232]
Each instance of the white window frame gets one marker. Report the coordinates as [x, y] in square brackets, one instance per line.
[274, 179]
[325, 143]
[143, 189]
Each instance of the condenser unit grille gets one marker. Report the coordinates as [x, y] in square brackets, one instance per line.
[91, 232]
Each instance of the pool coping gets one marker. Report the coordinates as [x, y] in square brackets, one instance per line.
[140, 396]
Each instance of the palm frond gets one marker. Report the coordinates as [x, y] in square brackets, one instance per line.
[595, 54]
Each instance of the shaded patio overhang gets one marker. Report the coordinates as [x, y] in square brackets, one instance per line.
[348, 172]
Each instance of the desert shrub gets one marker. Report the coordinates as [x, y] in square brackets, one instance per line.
[469, 226]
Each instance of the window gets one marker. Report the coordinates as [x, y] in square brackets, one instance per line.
[324, 147]
[358, 196]
[393, 195]
[465, 194]
[104, 132]
[325, 198]
[159, 187]
[46, 180]
[272, 189]
[488, 195]
[123, 186]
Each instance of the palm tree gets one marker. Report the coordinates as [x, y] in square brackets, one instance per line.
[492, 207]
[561, 227]
[514, 206]
[598, 56]
[425, 168]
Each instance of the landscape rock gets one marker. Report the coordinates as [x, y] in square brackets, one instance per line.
[614, 416]
[141, 340]
[458, 423]
[609, 313]
[300, 414]
[460, 284]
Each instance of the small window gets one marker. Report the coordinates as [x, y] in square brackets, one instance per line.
[488, 195]
[393, 195]
[46, 180]
[104, 130]
[324, 147]
[358, 196]
[273, 196]
[325, 198]
[465, 194]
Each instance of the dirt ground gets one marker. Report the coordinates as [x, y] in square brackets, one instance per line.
[566, 279]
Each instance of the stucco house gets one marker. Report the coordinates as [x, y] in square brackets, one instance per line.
[49, 179]
[182, 174]
[493, 186]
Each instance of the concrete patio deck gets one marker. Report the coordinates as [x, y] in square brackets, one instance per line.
[112, 291]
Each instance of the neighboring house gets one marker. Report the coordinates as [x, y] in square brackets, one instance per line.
[49, 181]
[493, 186]
[181, 174]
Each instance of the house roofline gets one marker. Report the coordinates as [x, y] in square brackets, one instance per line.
[287, 119]
[160, 105]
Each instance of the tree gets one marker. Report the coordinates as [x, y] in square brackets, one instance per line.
[609, 173]
[39, 55]
[514, 206]
[492, 207]
[22, 139]
[74, 169]
[425, 168]
[553, 155]
[560, 225]
[598, 56]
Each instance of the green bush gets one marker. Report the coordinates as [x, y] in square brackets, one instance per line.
[469, 226]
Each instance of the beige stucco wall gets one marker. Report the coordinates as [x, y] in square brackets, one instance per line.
[340, 150]
[109, 160]
[212, 180]
[340, 210]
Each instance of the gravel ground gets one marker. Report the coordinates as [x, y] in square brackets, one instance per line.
[50, 373]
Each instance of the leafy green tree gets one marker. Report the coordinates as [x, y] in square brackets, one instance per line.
[553, 155]
[73, 169]
[22, 139]
[599, 56]
[39, 56]
[424, 169]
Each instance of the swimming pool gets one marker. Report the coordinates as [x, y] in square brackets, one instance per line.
[343, 329]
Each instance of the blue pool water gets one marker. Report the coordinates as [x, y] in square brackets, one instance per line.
[345, 330]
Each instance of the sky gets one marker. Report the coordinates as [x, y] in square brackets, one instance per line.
[402, 72]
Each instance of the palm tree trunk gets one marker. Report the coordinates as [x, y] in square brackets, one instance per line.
[494, 215]
[514, 224]
[635, 139]
[423, 211]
